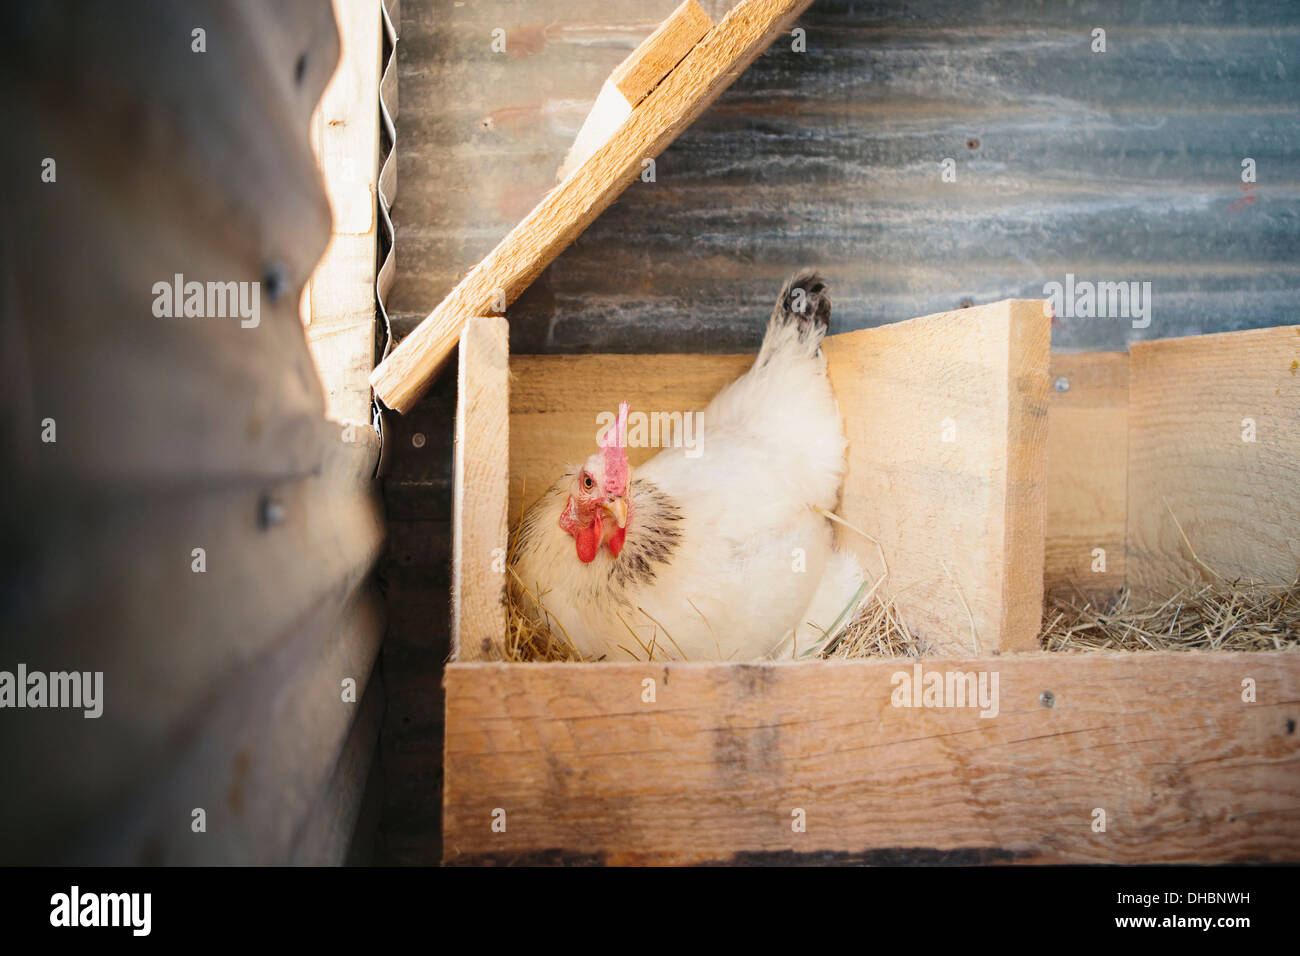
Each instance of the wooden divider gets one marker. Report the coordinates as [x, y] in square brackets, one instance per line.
[1087, 474]
[1214, 441]
[479, 490]
[946, 418]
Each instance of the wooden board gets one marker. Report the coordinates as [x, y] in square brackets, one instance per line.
[259, 762]
[1193, 402]
[479, 503]
[221, 678]
[662, 50]
[946, 418]
[714, 769]
[566, 211]
[345, 139]
[330, 832]
[1087, 473]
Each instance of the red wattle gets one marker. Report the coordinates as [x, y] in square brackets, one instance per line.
[588, 541]
[615, 544]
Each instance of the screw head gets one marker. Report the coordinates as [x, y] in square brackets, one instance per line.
[1062, 384]
[270, 512]
[275, 281]
[418, 439]
[1047, 699]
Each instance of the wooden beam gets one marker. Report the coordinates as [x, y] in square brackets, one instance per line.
[714, 769]
[662, 50]
[946, 418]
[634, 78]
[1214, 445]
[1087, 473]
[479, 492]
[568, 209]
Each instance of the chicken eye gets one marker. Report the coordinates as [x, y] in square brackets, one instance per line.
[587, 482]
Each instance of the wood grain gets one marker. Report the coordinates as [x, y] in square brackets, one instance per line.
[1087, 473]
[567, 210]
[662, 50]
[345, 139]
[222, 676]
[946, 418]
[712, 770]
[1192, 402]
[479, 496]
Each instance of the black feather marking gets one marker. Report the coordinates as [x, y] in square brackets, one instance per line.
[652, 538]
[811, 308]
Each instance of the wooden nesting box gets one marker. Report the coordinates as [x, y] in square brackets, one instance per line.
[982, 465]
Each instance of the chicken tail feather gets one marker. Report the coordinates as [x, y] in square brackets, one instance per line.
[800, 318]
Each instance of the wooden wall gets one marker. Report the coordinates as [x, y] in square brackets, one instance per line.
[223, 685]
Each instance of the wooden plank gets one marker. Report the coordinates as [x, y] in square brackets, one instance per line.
[260, 761]
[326, 836]
[634, 78]
[1214, 438]
[662, 50]
[567, 210]
[176, 433]
[147, 404]
[1087, 473]
[479, 494]
[184, 631]
[714, 768]
[345, 138]
[946, 418]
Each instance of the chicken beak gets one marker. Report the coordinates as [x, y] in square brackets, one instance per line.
[617, 507]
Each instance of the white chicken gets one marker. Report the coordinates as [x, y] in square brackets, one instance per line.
[722, 556]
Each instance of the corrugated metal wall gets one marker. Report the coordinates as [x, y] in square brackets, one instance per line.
[1115, 165]
[223, 668]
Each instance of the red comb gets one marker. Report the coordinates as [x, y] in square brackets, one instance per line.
[614, 452]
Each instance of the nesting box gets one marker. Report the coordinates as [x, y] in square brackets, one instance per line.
[982, 465]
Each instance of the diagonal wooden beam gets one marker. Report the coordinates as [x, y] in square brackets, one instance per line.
[634, 78]
[655, 57]
[569, 208]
